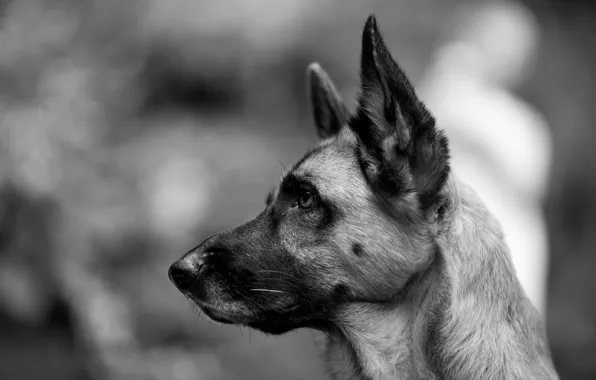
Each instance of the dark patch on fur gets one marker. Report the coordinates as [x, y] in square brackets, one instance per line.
[433, 342]
[439, 301]
[510, 314]
[341, 293]
[292, 185]
[288, 186]
[442, 210]
[331, 214]
[358, 250]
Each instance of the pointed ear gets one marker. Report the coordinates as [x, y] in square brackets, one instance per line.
[328, 109]
[402, 149]
[387, 96]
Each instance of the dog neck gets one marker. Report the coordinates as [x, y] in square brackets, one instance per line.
[389, 341]
[465, 316]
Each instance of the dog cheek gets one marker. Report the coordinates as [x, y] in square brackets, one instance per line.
[296, 239]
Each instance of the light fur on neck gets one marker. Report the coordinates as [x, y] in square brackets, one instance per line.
[465, 317]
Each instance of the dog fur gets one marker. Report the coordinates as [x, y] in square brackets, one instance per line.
[371, 239]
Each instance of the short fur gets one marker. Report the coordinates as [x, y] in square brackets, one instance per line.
[371, 239]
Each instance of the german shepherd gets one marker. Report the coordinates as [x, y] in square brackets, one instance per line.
[371, 239]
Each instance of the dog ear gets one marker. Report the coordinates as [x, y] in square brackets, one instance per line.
[402, 149]
[328, 109]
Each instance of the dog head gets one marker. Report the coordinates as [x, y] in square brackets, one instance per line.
[349, 222]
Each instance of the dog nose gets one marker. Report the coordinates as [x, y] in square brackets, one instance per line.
[183, 273]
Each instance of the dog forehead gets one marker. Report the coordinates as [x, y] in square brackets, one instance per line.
[334, 169]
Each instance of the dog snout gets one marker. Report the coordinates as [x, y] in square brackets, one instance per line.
[184, 272]
[209, 257]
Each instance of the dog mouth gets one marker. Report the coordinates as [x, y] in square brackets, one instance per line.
[265, 320]
[224, 317]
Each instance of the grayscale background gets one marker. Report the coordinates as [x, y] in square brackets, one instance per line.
[132, 130]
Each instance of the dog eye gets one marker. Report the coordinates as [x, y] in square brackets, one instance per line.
[306, 199]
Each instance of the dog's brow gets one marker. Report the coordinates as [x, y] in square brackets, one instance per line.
[291, 181]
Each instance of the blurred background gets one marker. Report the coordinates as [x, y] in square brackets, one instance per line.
[132, 130]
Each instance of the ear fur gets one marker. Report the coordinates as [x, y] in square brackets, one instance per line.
[402, 149]
[329, 111]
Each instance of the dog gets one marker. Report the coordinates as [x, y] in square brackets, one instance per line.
[372, 240]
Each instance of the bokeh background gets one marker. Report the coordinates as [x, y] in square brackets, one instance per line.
[131, 130]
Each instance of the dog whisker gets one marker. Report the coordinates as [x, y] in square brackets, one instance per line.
[268, 290]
